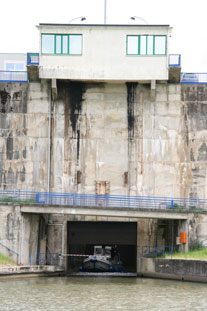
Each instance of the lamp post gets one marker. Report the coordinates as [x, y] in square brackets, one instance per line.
[134, 17]
[82, 18]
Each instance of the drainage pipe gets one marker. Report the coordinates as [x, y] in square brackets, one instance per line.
[49, 140]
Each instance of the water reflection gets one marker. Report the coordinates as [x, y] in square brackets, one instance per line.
[100, 294]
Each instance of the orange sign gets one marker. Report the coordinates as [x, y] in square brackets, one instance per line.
[183, 237]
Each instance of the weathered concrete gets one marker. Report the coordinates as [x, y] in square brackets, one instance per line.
[24, 135]
[105, 138]
[27, 229]
[103, 211]
[185, 270]
[10, 233]
[31, 270]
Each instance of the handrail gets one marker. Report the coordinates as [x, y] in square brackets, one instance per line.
[33, 59]
[9, 249]
[40, 259]
[13, 76]
[193, 78]
[95, 200]
[154, 250]
[174, 60]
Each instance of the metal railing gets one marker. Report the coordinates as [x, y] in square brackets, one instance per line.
[45, 258]
[94, 200]
[155, 251]
[193, 78]
[174, 60]
[9, 249]
[13, 76]
[33, 59]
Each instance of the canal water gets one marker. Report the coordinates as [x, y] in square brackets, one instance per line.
[100, 294]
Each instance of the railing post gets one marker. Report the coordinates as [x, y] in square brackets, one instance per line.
[172, 204]
[156, 251]
[149, 251]
[37, 197]
[30, 259]
[163, 251]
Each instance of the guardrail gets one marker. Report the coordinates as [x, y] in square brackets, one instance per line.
[155, 251]
[33, 59]
[13, 76]
[9, 249]
[193, 78]
[45, 258]
[94, 200]
[174, 60]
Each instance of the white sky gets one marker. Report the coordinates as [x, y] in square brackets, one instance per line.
[187, 17]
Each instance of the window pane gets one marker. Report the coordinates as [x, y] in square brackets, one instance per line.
[65, 44]
[132, 45]
[160, 45]
[150, 45]
[9, 67]
[48, 44]
[76, 44]
[19, 67]
[58, 44]
[143, 45]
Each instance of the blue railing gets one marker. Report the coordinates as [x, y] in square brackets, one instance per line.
[33, 59]
[94, 200]
[13, 76]
[155, 251]
[9, 249]
[174, 60]
[44, 258]
[193, 78]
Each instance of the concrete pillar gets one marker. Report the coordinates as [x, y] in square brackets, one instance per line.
[183, 226]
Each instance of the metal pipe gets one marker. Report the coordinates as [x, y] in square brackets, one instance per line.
[21, 242]
[105, 7]
[49, 140]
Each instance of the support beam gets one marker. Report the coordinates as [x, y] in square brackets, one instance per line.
[103, 211]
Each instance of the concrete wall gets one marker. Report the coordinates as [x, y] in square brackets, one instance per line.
[103, 46]
[105, 138]
[24, 135]
[115, 130]
[188, 270]
[10, 231]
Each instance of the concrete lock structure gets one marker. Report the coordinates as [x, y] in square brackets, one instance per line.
[101, 114]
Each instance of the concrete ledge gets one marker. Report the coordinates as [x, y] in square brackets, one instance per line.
[18, 270]
[104, 211]
[174, 269]
[166, 276]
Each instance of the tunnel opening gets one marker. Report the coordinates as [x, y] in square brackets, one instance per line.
[83, 236]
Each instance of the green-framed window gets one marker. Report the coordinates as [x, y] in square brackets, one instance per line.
[146, 45]
[61, 44]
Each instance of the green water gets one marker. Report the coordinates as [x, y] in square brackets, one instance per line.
[89, 293]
